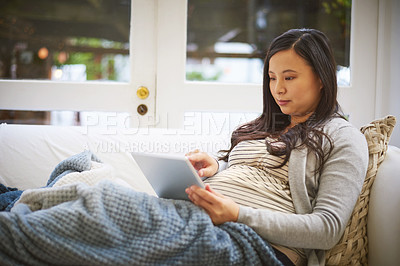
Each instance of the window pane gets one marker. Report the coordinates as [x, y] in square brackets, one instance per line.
[227, 39]
[71, 40]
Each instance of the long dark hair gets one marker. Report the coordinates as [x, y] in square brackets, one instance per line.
[314, 47]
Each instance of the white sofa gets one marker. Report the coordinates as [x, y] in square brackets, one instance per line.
[29, 153]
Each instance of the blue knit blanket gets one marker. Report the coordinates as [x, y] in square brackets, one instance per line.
[8, 196]
[76, 163]
[108, 224]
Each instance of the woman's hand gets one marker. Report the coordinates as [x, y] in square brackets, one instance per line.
[220, 208]
[205, 165]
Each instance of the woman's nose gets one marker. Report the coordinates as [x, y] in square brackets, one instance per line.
[279, 87]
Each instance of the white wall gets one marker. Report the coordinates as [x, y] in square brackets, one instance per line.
[358, 99]
[388, 65]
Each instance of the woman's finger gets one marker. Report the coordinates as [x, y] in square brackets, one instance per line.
[192, 152]
[204, 164]
[198, 199]
[204, 194]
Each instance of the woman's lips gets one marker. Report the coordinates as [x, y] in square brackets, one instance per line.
[283, 102]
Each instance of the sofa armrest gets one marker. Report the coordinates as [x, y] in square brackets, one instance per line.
[384, 212]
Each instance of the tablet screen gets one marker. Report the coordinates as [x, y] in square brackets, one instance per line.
[169, 175]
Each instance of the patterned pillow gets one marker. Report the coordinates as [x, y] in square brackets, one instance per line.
[352, 249]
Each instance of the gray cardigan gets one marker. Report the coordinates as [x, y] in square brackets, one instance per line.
[323, 202]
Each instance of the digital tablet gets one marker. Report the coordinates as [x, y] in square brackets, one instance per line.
[169, 175]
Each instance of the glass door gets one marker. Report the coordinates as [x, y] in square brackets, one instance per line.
[85, 57]
[207, 40]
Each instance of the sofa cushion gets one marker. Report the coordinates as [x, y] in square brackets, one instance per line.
[352, 249]
[28, 153]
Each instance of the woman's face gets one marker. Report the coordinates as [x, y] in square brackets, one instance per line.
[294, 85]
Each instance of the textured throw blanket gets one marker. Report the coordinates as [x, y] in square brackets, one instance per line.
[108, 224]
[8, 196]
[83, 167]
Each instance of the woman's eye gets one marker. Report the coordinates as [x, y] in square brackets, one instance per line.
[272, 78]
[289, 78]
